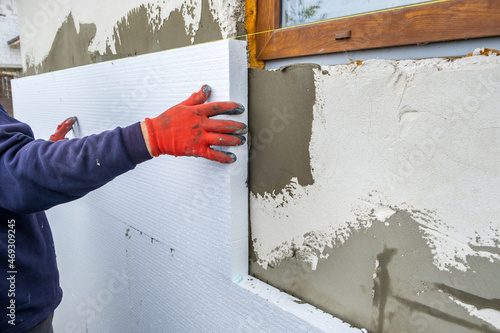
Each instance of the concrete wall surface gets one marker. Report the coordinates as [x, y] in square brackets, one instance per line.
[375, 190]
[58, 34]
[9, 28]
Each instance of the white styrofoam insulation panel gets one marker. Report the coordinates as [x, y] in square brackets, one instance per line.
[163, 248]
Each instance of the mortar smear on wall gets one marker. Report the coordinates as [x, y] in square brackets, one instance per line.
[312, 245]
[110, 17]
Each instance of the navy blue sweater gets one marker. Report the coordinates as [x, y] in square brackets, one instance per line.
[34, 176]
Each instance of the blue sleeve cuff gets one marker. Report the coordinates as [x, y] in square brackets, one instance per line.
[134, 143]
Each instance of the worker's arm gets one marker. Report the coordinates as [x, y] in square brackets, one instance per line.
[37, 174]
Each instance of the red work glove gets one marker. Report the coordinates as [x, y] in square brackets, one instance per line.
[63, 129]
[187, 130]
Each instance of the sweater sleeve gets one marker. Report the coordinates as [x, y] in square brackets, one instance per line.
[37, 174]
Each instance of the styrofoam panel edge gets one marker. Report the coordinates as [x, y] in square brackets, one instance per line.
[304, 311]
[238, 91]
[239, 259]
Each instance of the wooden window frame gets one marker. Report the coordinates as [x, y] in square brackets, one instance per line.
[445, 20]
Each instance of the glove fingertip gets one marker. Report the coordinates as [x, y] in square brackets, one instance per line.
[223, 156]
[242, 138]
[238, 110]
[242, 131]
[206, 90]
[231, 155]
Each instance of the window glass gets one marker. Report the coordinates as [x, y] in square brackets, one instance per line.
[295, 12]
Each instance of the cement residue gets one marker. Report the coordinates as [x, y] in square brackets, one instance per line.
[69, 48]
[280, 121]
[139, 32]
[383, 278]
[135, 35]
[209, 28]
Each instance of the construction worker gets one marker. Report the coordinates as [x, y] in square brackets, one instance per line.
[37, 174]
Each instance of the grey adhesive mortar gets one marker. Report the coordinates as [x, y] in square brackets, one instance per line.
[136, 33]
[280, 122]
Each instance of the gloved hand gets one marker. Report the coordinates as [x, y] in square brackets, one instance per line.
[63, 129]
[187, 130]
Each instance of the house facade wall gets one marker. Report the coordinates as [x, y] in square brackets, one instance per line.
[10, 57]
[60, 34]
[373, 185]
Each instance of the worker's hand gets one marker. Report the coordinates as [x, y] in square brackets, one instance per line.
[63, 129]
[187, 130]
